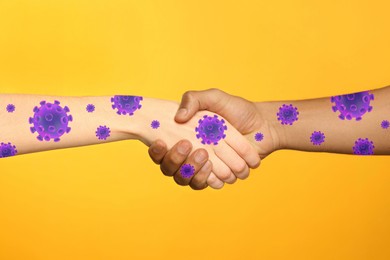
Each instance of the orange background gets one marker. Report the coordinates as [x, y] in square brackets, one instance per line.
[111, 202]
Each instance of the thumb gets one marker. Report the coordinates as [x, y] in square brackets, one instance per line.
[194, 101]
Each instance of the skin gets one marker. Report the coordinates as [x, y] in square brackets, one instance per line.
[252, 117]
[215, 164]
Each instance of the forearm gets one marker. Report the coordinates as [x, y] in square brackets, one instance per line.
[36, 123]
[332, 125]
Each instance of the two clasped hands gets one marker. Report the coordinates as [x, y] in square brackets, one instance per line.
[243, 115]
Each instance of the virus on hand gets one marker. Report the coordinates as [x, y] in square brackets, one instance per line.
[10, 108]
[187, 170]
[287, 114]
[211, 129]
[155, 124]
[103, 132]
[352, 105]
[363, 147]
[90, 108]
[259, 137]
[385, 124]
[7, 150]
[126, 104]
[317, 138]
[51, 121]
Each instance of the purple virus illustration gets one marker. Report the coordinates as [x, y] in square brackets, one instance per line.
[317, 138]
[90, 108]
[103, 132]
[187, 170]
[352, 105]
[7, 150]
[211, 129]
[155, 124]
[287, 114]
[50, 121]
[126, 104]
[259, 137]
[363, 147]
[385, 124]
[10, 108]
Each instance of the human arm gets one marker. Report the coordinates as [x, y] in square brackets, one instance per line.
[317, 118]
[35, 123]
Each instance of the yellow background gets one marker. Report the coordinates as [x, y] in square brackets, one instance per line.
[111, 202]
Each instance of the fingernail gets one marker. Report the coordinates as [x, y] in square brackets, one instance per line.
[200, 158]
[182, 112]
[183, 148]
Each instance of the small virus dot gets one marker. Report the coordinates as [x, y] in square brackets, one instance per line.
[103, 132]
[211, 129]
[7, 150]
[287, 114]
[155, 124]
[10, 108]
[187, 170]
[259, 137]
[90, 108]
[385, 124]
[363, 147]
[317, 138]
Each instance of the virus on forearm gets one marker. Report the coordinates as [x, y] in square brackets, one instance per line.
[363, 147]
[90, 108]
[10, 108]
[103, 132]
[287, 114]
[50, 121]
[211, 129]
[352, 105]
[317, 138]
[7, 150]
[126, 104]
[385, 124]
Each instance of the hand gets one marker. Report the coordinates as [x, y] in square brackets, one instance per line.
[246, 116]
[228, 156]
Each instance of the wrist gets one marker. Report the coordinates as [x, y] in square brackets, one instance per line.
[268, 119]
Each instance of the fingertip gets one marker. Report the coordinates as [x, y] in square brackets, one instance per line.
[181, 115]
[256, 163]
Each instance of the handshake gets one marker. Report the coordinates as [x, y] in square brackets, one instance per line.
[231, 157]
[211, 139]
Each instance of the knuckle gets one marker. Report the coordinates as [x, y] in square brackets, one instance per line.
[239, 167]
[224, 175]
[175, 158]
[188, 94]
